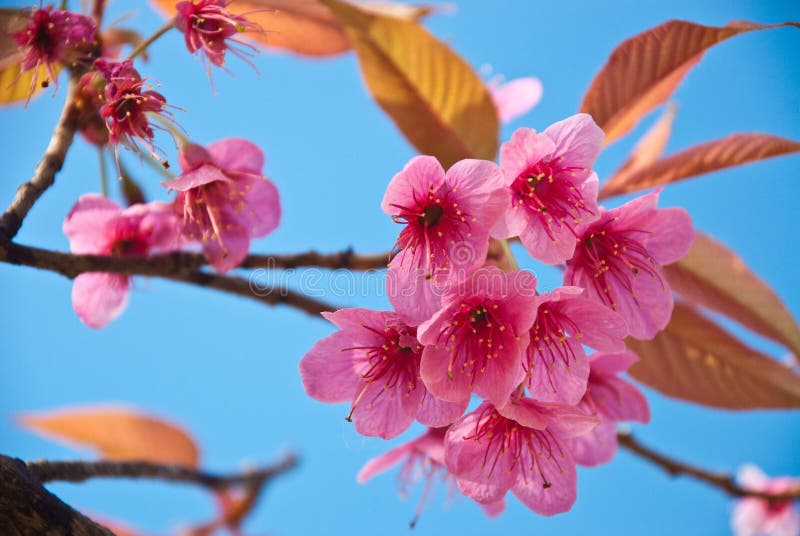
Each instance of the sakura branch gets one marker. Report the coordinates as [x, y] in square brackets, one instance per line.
[80, 471]
[724, 482]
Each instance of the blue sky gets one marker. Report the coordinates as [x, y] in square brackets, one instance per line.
[227, 368]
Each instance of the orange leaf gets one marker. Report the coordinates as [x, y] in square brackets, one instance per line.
[117, 433]
[15, 86]
[734, 150]
[713, 276]
[696, 360]
[303, 26]
[436, 99]
[649, 148]
[645, 70]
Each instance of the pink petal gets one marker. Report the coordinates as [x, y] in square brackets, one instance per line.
[511, 223]
[568, 421]
[205, 174]
[193, 156]
[612, 363]
[161, 225]
[559, 472]
[618, 400]
[516, 97]
[600, 327]
[478, 177]
[418, 175]
[327, 372]
[383, 412]
[384, 462]
[540, 246]
[437, 413]
[651, 310]
[414, 297]
[494, 509]
[526, 412]
[524, 149]
[261, 211]
[596, 447]
[578, 139]
[557, 382]
[356, 318]
[237, 154]
[434, 372]
[98, 298]
[672, 235]
[234, 247]
[503, 374]
[86, 225]
[752, 477]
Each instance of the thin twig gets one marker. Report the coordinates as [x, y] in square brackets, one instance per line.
[80, 471]
[150, 40]
[175, 267]
[52, 161]
[721, 481]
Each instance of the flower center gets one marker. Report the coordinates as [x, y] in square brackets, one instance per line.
[550, 342]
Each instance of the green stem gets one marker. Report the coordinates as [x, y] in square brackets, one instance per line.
[101, 154]
[150, 40]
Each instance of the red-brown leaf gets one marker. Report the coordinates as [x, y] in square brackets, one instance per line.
[715, 277]
[645, 70]
[117, 433]
[694, 359]
[734, 150]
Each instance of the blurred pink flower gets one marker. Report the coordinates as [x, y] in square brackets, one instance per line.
[476, 342]
[373, 362]
[521, 448]
[556, 363]
[224, 199]
[553, 188]
[208, 27]
[516, 97]
[422, 458]
[756, 517]
[97, 225]
[53, 36]
[619, 257]
[612, 400]
[446, 218]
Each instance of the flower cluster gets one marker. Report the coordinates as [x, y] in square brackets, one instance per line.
[758, 517]
[463, 327]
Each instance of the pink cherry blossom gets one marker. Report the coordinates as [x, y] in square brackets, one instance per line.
[128, 101]
[521, 448]
[53, 36]
[97, 225]
[476, 342]
[515, 98]
[552, 185]
[373, 362]
[422, 458]
[756, 517]
[619, 257]
[556, 363]
[224, 199]
[612, 400]
[446, 218]
[208, 27]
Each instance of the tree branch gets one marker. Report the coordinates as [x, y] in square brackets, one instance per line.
[175, 267]
[80, 471]
[721, 481]
[52, 161]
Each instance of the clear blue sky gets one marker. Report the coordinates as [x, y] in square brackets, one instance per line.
[227, 367]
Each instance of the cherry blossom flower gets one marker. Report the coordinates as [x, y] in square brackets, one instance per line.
[619, 257]
[476, 342]
[553, 188]
[516, 97]
[756, 517]
[446, 218]
[373, 362]
[127, 103]
[208, 27]
[556, 363]
[53, 36]
[612, 400]
[97, 225]
[422, 459]
[224, 199]
[521, 448]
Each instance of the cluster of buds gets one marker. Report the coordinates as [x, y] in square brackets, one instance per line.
[463, 329]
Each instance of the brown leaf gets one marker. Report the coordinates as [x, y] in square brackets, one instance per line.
[645, 70]
[305, 27]
[715, 277]
[649, 148]
[434, 97]
[117, 433]
[11, 21]
[734, 150]
[694, 359]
